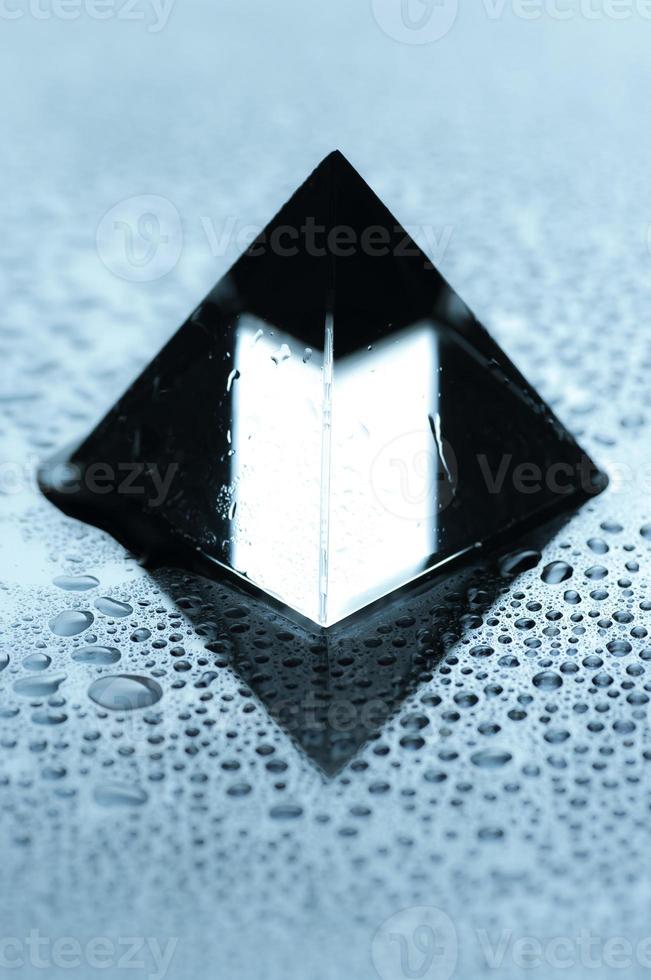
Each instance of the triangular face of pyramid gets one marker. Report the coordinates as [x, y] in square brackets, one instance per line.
[330, 423]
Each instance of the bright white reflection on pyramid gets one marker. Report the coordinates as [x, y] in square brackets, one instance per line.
[276, 465]
[385, 469]
[380, 500]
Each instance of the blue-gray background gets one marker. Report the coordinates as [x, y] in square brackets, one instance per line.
[516, 149]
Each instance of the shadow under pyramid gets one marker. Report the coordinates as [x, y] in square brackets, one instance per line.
[333, 691]
[330, 423]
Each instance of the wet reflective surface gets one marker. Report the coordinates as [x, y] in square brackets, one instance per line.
[507, 795]
[330, 423]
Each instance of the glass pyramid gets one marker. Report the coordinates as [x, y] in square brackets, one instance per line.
[329, 424]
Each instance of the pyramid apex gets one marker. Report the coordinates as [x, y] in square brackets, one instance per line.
[336, 159]
[334, 155]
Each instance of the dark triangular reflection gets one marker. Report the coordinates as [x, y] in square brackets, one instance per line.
[332, 691]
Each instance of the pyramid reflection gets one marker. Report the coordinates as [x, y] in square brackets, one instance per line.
[332, 691]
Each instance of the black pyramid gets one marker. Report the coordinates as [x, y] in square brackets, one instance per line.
[330, 423]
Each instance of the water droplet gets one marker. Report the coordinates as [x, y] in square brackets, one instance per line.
[119, 794]
[76, 583]
[233, 376]
[141, 634]
[412, 742]
[466, 699]
[490, 833]
[286, 811]
[38, 687]
[599, 546]
[556, 736]
[37, 661]
[70, 622]
[239, 789]
[414, 722]
[556, 572]
[113, 607]
[624, 618]
[519, 561]
[125, 692]
[283, 354]
[547, 680]
[612, 527]
[49, 717]
[490, 758]
[481, 651]
[602, 679]
[524, 623]
[97, 656]
[596, 572]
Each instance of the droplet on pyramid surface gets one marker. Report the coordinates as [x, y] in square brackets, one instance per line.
[330, 423]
